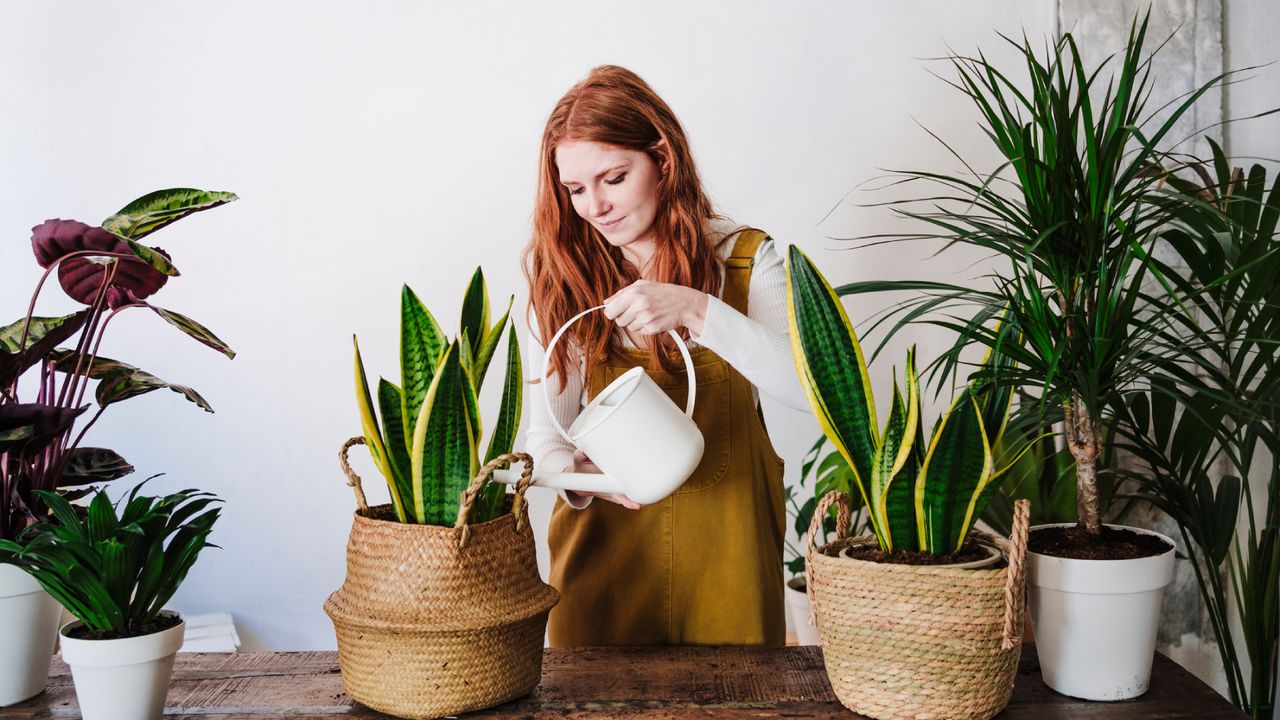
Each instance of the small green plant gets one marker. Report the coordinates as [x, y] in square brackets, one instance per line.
[427, 443]
[920, 497]
[115, 572]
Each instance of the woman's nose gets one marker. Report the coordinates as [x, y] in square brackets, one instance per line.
[600, 205]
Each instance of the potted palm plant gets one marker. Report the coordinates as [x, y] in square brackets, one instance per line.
[1073, 214]
[114, 567]
[442, 610]
[106, 269]
[924, 617]
[1233, 279]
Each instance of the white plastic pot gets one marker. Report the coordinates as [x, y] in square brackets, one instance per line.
[1095, 620]
[798, 612]
[28, 630]
[125, 679]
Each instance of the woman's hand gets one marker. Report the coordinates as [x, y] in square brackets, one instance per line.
[582, 464]
[648, 308]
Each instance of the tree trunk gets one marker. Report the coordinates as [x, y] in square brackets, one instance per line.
[1086, 448]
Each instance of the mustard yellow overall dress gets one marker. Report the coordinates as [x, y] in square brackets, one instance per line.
[704, 566]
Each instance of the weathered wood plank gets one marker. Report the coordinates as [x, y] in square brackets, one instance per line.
[674, 683]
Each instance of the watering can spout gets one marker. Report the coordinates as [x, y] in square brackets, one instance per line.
[575, 482]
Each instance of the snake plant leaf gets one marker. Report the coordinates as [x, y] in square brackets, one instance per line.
[504, 432]
[832, 369]
[200, 333]
[487, 348]
[160, 208]
[954, 472]
[475, 311]
[369, 421]
[464, 355]
[422, 343]
[441, 453]
[897, 499]
[391, 403]
[92, 465]
[130, 382]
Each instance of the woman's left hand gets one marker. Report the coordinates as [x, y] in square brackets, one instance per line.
[648, 308]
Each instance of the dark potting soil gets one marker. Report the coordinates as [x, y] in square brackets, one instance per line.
[970, 552]
[164, 622]
[1112, 544]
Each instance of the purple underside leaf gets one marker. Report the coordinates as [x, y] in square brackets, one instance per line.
[32, 426]
[81, 277]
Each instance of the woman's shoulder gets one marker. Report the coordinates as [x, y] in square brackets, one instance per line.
[726, 231]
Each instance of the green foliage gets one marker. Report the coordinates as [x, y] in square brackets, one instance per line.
[114, 568]
[1231, 253]
[920, 497]
[1072, 214]
[427, 443]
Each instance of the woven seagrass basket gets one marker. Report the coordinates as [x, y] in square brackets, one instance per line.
[434, 621]
[917, 641]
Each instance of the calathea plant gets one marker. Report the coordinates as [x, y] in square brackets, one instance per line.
[109, 271]
[115, 567]
[920, 497]
[427, 444]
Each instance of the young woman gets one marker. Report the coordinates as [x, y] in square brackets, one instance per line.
[622, 220]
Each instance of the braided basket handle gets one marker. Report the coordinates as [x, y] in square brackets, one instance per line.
[835, 497]
[841, 501]
[353, 480]
[1014, 587]
[472, 492]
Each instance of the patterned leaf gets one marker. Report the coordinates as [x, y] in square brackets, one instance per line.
[156, 210]
[955, 470]
[487, 348]
[442, 450]
[391, 402]
[93, 465]
[195, 330]
[475, 311]
[421, 345]
[131, 382]
[43, 335]
[369, 426]
[832, 369]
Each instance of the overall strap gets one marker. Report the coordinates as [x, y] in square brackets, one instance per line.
[737, 272]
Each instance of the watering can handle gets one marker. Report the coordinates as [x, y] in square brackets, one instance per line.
[546, 362]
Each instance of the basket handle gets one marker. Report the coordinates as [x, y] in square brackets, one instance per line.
[353, 480]
[835, 497]
[1014, 588]
[841, 501]
[472, 492]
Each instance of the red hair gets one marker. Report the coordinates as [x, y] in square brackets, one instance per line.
[569, 265]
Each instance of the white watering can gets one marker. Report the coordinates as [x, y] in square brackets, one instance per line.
[643, 443]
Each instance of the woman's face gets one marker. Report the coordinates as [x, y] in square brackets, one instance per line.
[613, 188]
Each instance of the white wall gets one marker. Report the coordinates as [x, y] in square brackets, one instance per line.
[375, 143]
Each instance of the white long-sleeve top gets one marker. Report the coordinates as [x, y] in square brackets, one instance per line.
[757, 345]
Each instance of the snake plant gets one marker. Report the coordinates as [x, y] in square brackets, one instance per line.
[921, 497]
[427, 444]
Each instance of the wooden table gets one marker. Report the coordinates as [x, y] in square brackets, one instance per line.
[614, 683]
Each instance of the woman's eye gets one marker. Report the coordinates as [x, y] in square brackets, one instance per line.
[576, 191]
[615, 181]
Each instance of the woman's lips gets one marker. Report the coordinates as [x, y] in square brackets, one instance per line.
[612, 224]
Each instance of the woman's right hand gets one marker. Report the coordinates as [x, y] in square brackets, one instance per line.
[582, 464]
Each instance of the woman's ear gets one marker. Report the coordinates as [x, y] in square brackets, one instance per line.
[661, 154]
